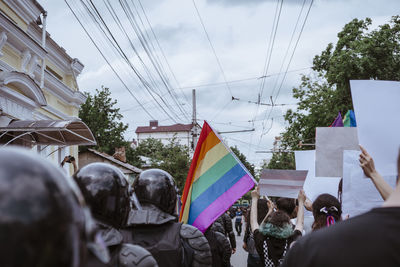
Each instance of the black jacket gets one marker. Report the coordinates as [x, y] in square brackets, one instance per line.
[220, 248]
[226, 223]
[171, 243]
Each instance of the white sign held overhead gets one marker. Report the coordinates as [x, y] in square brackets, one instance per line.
[359, 193]
[329, 146]
[377, 108]
[305, 160]
[315, 186]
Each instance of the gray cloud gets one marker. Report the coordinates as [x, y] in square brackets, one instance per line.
[249, 2]
[239, 30]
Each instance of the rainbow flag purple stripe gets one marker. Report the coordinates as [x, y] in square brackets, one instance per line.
[216, 179]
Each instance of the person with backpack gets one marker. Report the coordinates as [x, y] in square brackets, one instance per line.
[219, 245]
[155, 226]
[106, 191]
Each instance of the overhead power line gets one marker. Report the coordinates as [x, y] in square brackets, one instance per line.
[155, 69]
[262, 104]
[240, 80]
[212, 48]
[271, 44]
[163, 54]
[108, 63]
[98, 20]
[148, 47]
[270, 48]
[291, 57]
[283, 61]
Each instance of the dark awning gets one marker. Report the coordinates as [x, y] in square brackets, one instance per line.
[47, 132]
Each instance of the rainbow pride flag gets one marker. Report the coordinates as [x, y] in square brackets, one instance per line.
[349, 119]
[216, 179]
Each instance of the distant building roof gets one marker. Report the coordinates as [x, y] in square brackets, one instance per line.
[170, 128]
[111, 158]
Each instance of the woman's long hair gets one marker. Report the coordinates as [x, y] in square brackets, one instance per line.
[326, 211]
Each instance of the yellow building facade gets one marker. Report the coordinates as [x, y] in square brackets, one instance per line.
[38, 82]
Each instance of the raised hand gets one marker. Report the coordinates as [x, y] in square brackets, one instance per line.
[367, 163]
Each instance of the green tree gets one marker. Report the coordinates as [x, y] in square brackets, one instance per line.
[250, 167]
[360, 53]
[281, 161]
[103, 119]
[243, 159]
[172, 157]
[176, 161]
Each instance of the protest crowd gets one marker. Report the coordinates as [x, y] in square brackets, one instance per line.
[96, 218]
[178, 195]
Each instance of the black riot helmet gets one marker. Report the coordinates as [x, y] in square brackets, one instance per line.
[156, 187]
[106, 191]
[42, 222]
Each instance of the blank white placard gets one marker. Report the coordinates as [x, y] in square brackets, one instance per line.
[377, 109]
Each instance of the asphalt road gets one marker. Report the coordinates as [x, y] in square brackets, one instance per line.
[239, 259]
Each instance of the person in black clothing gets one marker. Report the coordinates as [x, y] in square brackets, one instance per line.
[106, 191]
[155, 226]
[275, 234]
[219, 245]
[253, 259]
[232, 212]
[370, 239]
[43, 218]
[226, 224]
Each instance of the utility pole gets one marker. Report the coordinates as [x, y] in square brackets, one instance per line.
[194, 120]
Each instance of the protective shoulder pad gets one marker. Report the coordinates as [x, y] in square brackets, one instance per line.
[135, 256]
[198, 243]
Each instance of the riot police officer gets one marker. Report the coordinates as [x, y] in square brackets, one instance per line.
[155, 226]
[106, 191]
[43, 220]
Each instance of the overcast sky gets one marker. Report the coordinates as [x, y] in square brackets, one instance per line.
[239, 31]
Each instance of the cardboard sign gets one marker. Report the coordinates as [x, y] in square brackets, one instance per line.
[377, 109]
[281, 183]
[330, 144]
[359, 192]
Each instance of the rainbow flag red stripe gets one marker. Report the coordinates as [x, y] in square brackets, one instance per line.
[216, 179]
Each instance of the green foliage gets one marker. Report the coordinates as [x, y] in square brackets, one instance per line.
[359, 54]
[250, 167]
[172, 157]
[103, 119]
[281, 161]
[132, 156]
[243, 159]
[101, 116]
